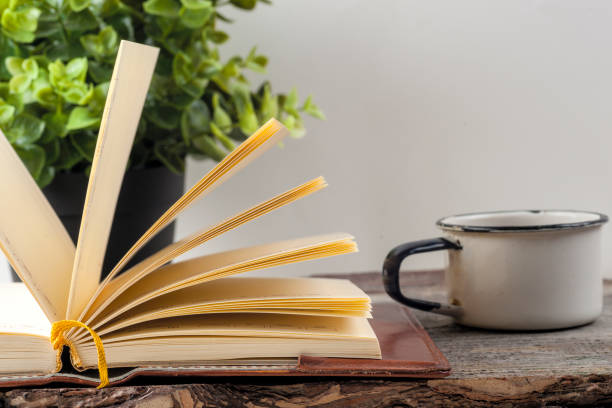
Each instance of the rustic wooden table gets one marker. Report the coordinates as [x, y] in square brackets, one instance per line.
[554, 368]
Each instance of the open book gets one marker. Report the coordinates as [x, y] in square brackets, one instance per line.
[156, 312]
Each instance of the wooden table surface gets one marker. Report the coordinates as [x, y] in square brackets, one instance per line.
[553, 368]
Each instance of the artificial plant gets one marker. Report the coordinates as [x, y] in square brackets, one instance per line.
[57, 61]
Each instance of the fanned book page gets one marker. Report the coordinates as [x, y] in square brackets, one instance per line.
[112, 289]
[267, 136]
[156, 312]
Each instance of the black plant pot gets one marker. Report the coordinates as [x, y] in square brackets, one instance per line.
[145, 195]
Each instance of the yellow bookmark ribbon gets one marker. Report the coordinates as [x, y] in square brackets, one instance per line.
[58, 340]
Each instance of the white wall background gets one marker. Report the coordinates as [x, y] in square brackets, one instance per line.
[434, 107]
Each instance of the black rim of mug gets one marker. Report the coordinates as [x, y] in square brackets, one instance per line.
[599, 220]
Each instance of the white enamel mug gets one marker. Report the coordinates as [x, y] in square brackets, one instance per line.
[514, 270]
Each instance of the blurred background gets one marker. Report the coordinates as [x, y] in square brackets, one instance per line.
[433, 108]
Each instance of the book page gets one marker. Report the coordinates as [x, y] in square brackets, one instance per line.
[25, 347]
[129, 84]
[265, 137]
[199, 339]
[306, 296]
[19, 312]
[206, 268]
[114, 288]
[32, 237]
[247, 324]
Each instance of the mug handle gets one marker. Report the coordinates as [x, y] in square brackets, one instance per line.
[391, 268]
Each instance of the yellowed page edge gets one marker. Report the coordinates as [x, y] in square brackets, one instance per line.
[210, 267]
[246, 324]
[286, 295]
[217, 266]
[198, 349]
[265, 137]
[114, 288]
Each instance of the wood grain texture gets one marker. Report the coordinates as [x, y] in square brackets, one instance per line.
[555, 368]
[484, 353]
[479, 392]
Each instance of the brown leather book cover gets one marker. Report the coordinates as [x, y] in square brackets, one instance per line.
[407, 351]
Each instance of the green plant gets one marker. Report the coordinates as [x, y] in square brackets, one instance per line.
[58, 57]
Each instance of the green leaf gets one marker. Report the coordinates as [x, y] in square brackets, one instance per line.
[79, 5]
[77, 69]
[24, 71]
[98, 100]
[69, 157]
[44, 93]
[57, 73]
[221, 137]
[85, 144]
[232, 67]
[209, 67]
[255, 67]
[10, 98]
[100, 72]
[57, 49]
[33, 157]
[218, 37]
[52, 151]
[7, 47]
[261, 60]
[104, 44]
[30, 67]
[48, 25]
[171, 155]
[55, 124]
[82, 118]
[291, 101]
[269, 104]
[46, 176]
[313, 110]
[58, 58]
[165, 8]
[81, 21]
[244, 4]
[6, 114]
[14, 65]
[196, 18]
[123, 26]
[247, 119]
[296, 130]
[196, 87]
[20, 83]
[195, 120]
[77, 93]
[220, 116]
[197, 4]
[164, 117]
[25, 130]
[109, 7]
[20, 24]
[109, 40]
[182, 68]
[208, 147]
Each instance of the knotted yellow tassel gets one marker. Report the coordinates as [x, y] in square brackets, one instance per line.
[58, 340]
